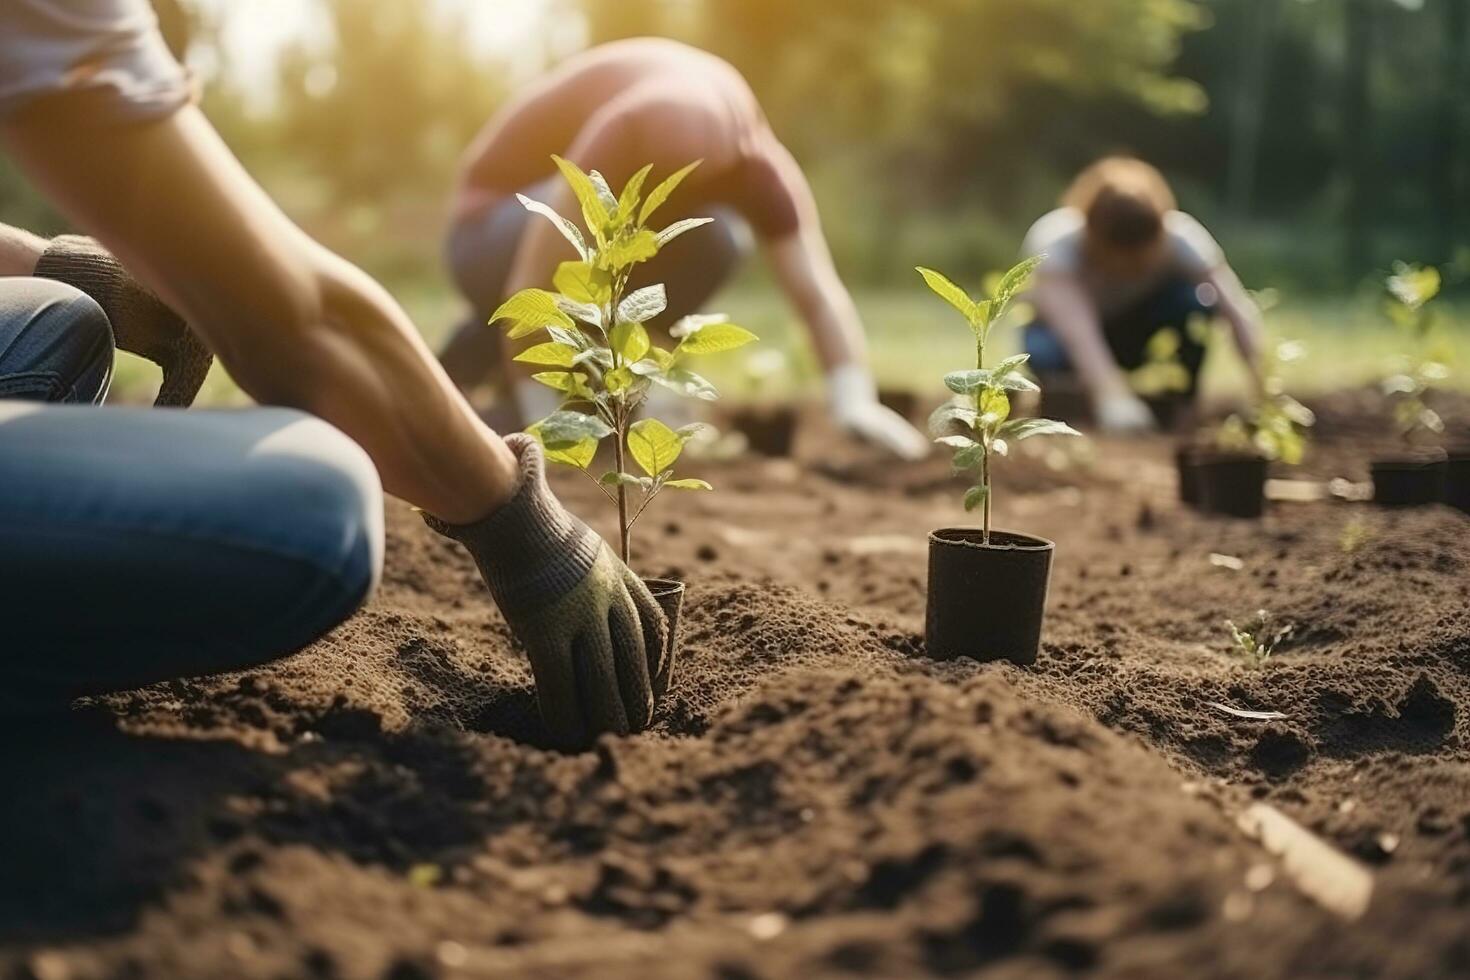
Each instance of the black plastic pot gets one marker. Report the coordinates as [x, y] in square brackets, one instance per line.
[669, 595]
[1457, 479]
[986, 601]
[768, 431]
[1410, 479]
[1230, 484]
[1186, 462]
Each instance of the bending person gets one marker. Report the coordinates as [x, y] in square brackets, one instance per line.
[614, 109]
[1121, 264]
[142, 544]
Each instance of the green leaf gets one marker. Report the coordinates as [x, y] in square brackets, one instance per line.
[1414, 286]
[654, 445]
[953, 295]
[660, 194]
[1015, 382]
[994, 407]
[968, 458]
[560, 380]
[570, 336]
[586, 312]
[568, 230]
[678, 228]
[642, 305]
[630, 340]
[552, 353]
[715, 338]
[628, 200]
[688, 485]
[594, 209]
[1010, 364]
[604, 192]
[975, 497]
[949, 415]
[956, 441]
[619, 379]
[967, 382]
[562, 429]
[1018, 429]
[614, 479]
[600, 356]
[578, 454]
[628, 251]
[581, 283]
[530, 310]
[1017, 279]
[999, 447]
[686, 383]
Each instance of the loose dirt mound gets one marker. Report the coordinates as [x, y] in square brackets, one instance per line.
[816, 799]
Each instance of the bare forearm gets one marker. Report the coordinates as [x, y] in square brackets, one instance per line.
[294, 324]
[19, 251]
[1244, 317]
[803, 267]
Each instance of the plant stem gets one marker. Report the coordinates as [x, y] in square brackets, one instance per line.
[624, 527]
[985, 482]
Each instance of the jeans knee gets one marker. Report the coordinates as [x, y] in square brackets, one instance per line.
[335, 497]
[56, 339]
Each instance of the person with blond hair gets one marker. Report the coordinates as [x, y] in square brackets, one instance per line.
[1122, 262]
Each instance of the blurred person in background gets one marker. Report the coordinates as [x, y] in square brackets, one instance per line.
[1122, 263]
[615, 109]
[141, 544]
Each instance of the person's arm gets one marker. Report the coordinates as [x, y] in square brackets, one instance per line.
[1241, 312]
[802, 265]
[299, 326]
[294, 324]
[1064, 306]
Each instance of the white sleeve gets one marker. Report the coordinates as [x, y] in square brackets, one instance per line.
[1055, 234]
[1195, 251]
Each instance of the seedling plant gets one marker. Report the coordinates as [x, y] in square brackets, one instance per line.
[599, 354]
[1276, 425]
[1410, 290]
[1258, 639]
[977, 424]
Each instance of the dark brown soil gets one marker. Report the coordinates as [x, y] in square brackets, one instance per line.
[816, 799]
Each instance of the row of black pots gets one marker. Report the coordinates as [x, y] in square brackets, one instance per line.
[1423, 476]
[1233, 484]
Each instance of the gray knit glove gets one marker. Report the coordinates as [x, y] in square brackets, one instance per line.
[594, 634]
[141, 323]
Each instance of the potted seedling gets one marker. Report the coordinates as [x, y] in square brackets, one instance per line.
[599, 355]
[987, 588]
[769, 426]
[1162, 380]
[1229, 478]
[1416, 472]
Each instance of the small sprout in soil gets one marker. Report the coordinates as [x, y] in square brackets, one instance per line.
[976, 424]
[1425, 363]
[1276, 425]
[599, 355]
[1257, 641]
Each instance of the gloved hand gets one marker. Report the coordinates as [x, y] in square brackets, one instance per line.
[596, 638]
[1124, 413]
[141, 323]
[856, 409]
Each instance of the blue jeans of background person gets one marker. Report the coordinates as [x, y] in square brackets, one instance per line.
[140, 544]
[1127, 333]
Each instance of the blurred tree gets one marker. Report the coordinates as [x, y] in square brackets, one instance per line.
[388, 105]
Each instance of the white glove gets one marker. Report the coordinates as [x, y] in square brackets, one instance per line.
[856, 410]
[1124, 413]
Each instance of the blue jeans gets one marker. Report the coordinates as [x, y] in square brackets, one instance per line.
[55, 343]
[1127, 333]
[141, 544]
